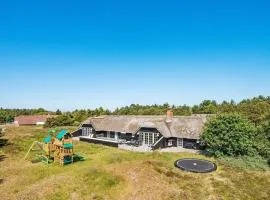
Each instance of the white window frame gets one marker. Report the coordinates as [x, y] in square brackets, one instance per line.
[149, 138]
[84, 131]
[87, 131]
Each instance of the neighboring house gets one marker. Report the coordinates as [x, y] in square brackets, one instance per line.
[153, 131]
[31, 119]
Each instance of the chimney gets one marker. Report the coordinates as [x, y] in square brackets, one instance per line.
[169, 116]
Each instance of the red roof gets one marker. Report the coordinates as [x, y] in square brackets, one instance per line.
[30, 119]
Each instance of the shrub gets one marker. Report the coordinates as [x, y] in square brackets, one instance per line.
[262, 143]
[61, 120]
[229, 134]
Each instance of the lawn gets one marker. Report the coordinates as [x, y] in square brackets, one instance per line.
[110, 173]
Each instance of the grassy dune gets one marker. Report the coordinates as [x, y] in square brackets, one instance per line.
[110, 173]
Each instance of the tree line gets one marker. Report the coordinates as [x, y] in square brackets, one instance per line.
[255, 109]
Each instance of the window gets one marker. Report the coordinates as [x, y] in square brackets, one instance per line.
[112, 134]
[89, 131]
[180, 142]
[146, 141]
[84, 131]
[150, 135]
[148, 138]
[170, 141]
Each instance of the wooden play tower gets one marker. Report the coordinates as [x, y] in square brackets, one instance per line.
[63, 148]
[57, 149]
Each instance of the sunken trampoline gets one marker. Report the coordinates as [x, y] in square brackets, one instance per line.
[195, 165]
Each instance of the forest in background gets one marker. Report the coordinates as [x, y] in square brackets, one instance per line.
[256, 109]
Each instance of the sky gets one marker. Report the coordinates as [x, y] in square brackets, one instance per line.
[85, 54]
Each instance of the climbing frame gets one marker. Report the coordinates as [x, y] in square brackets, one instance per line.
[57, 149]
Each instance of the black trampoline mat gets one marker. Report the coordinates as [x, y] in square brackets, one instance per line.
[195, 165]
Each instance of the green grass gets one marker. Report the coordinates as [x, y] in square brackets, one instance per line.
[110, 173]
[245, 162]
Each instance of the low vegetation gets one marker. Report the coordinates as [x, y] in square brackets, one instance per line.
[110, 173]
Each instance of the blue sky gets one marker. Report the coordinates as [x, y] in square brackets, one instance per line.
[84, 54]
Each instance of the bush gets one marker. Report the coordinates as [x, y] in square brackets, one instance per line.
[262, 143]
[229, 134]
[61, 120]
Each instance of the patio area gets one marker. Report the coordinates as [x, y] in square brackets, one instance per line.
[144, 148]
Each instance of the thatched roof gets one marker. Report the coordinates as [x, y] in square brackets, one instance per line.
[180, 126]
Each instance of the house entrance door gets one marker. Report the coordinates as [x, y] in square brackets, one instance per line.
[148, 138]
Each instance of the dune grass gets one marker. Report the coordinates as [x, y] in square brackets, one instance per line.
[110, 173]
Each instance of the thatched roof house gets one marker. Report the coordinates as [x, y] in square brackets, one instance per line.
[179, 126]
[150, 130]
